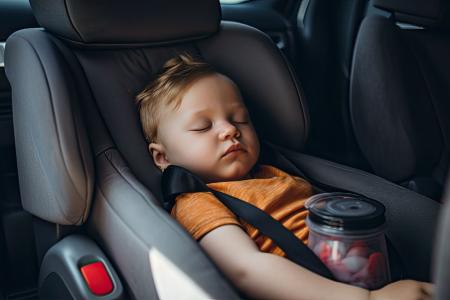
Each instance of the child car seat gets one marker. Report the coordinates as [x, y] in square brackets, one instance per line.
[82, 158]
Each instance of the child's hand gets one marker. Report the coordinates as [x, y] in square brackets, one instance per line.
[404, 289]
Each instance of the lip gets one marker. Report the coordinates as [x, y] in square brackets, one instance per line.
[233, 148]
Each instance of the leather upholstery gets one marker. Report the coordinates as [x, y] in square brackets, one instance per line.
[121, 22]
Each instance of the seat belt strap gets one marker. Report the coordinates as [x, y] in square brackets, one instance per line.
[177, 180]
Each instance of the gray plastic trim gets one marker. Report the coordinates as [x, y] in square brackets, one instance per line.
[65, 259]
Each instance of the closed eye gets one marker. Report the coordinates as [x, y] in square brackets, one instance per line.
[200, 129]
[241, 117]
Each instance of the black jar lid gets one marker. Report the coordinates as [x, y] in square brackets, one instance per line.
[345, 211]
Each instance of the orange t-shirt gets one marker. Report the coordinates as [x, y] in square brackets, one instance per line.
[279, 194]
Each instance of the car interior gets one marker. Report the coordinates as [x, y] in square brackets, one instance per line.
[351, 93]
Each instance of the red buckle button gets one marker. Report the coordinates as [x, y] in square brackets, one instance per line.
[97, 278]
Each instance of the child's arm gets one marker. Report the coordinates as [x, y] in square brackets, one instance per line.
[268, 276]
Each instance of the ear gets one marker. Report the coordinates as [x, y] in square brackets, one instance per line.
[159, 155]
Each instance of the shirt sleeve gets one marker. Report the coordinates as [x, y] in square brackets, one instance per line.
[200, 213]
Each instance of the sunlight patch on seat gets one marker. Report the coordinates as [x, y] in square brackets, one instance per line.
[171, 282]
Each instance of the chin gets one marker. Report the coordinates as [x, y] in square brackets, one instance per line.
[228, 173]
[237, 173]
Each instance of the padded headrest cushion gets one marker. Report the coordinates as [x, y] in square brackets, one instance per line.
[429, 13]
[128, 22]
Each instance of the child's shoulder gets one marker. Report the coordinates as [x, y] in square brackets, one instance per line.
[199, 202]
[191, 197]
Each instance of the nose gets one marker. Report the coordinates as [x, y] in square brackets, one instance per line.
[229, 131]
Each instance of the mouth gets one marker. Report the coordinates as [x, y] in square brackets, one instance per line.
[233, 148]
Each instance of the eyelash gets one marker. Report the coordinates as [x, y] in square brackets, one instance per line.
[201, 129]
[209, 126]
[205, 127]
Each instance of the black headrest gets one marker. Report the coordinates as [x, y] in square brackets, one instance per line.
[428, 13]
[128, 22]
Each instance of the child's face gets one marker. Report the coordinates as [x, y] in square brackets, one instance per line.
[210, 133]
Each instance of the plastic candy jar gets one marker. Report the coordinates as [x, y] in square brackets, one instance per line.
[347, 233]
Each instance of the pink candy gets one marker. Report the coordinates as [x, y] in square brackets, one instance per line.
[358, 251]
[358, 264]
[354, 263]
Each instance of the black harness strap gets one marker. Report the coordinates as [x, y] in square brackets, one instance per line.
[177, 180]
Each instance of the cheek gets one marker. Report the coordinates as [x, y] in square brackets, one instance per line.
[252, 139]
[192, 150]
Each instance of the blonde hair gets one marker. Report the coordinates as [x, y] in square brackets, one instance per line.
[168, 88]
